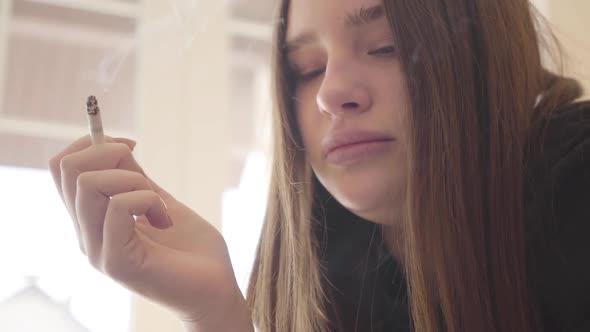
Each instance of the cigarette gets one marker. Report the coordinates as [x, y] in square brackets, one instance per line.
[94, 120]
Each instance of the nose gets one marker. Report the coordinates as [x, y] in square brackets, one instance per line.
[342, 91]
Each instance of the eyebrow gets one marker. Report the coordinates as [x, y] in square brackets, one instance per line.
[360, 17]
[364, 16]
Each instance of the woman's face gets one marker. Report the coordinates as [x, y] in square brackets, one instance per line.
[351, 102]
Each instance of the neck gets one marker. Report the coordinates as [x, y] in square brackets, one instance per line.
[394, 241]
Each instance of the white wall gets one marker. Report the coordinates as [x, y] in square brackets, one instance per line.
[182, 126]
[572, 26]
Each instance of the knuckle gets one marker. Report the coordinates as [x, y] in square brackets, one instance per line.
[95, 260]
[82, 248]
[85, 180]
[109, 268]
[54, 163]
[137, 178]
[122, 148]
[66, 164]
[117, 203]
[114, 269]
[152, 195]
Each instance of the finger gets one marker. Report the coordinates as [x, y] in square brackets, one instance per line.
[94, 158]
[127, 141]
[84, 161]
[78, 145]
[94, 191]
[122, 250]
[55, 162]
[74, 162]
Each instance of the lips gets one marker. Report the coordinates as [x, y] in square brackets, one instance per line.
[345, 138]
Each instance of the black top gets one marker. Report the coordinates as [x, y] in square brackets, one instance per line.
[368, 288]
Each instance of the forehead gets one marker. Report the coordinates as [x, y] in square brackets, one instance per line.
[305, 15]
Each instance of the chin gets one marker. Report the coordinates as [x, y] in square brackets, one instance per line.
[370, 200]
[375, 214]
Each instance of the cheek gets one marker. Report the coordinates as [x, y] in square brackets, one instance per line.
[394, 91]
[309, 122]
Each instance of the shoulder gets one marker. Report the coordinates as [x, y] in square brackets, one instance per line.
[558, 220]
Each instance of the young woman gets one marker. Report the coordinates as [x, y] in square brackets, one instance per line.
[429, 174]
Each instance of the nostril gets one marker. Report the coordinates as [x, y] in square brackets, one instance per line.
[350, 105]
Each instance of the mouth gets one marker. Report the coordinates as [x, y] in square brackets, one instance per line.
[344, 147]
[356, 144]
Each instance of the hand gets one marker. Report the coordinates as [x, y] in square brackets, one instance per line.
[122, 220]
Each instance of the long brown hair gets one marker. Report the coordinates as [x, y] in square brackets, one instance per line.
[477, 90]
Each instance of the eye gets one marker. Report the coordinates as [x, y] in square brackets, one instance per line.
[304, 77]
[384, 51]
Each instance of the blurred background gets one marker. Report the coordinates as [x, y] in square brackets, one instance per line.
[189, 80]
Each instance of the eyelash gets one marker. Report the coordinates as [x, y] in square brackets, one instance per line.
[381, 52]
[390, 51]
